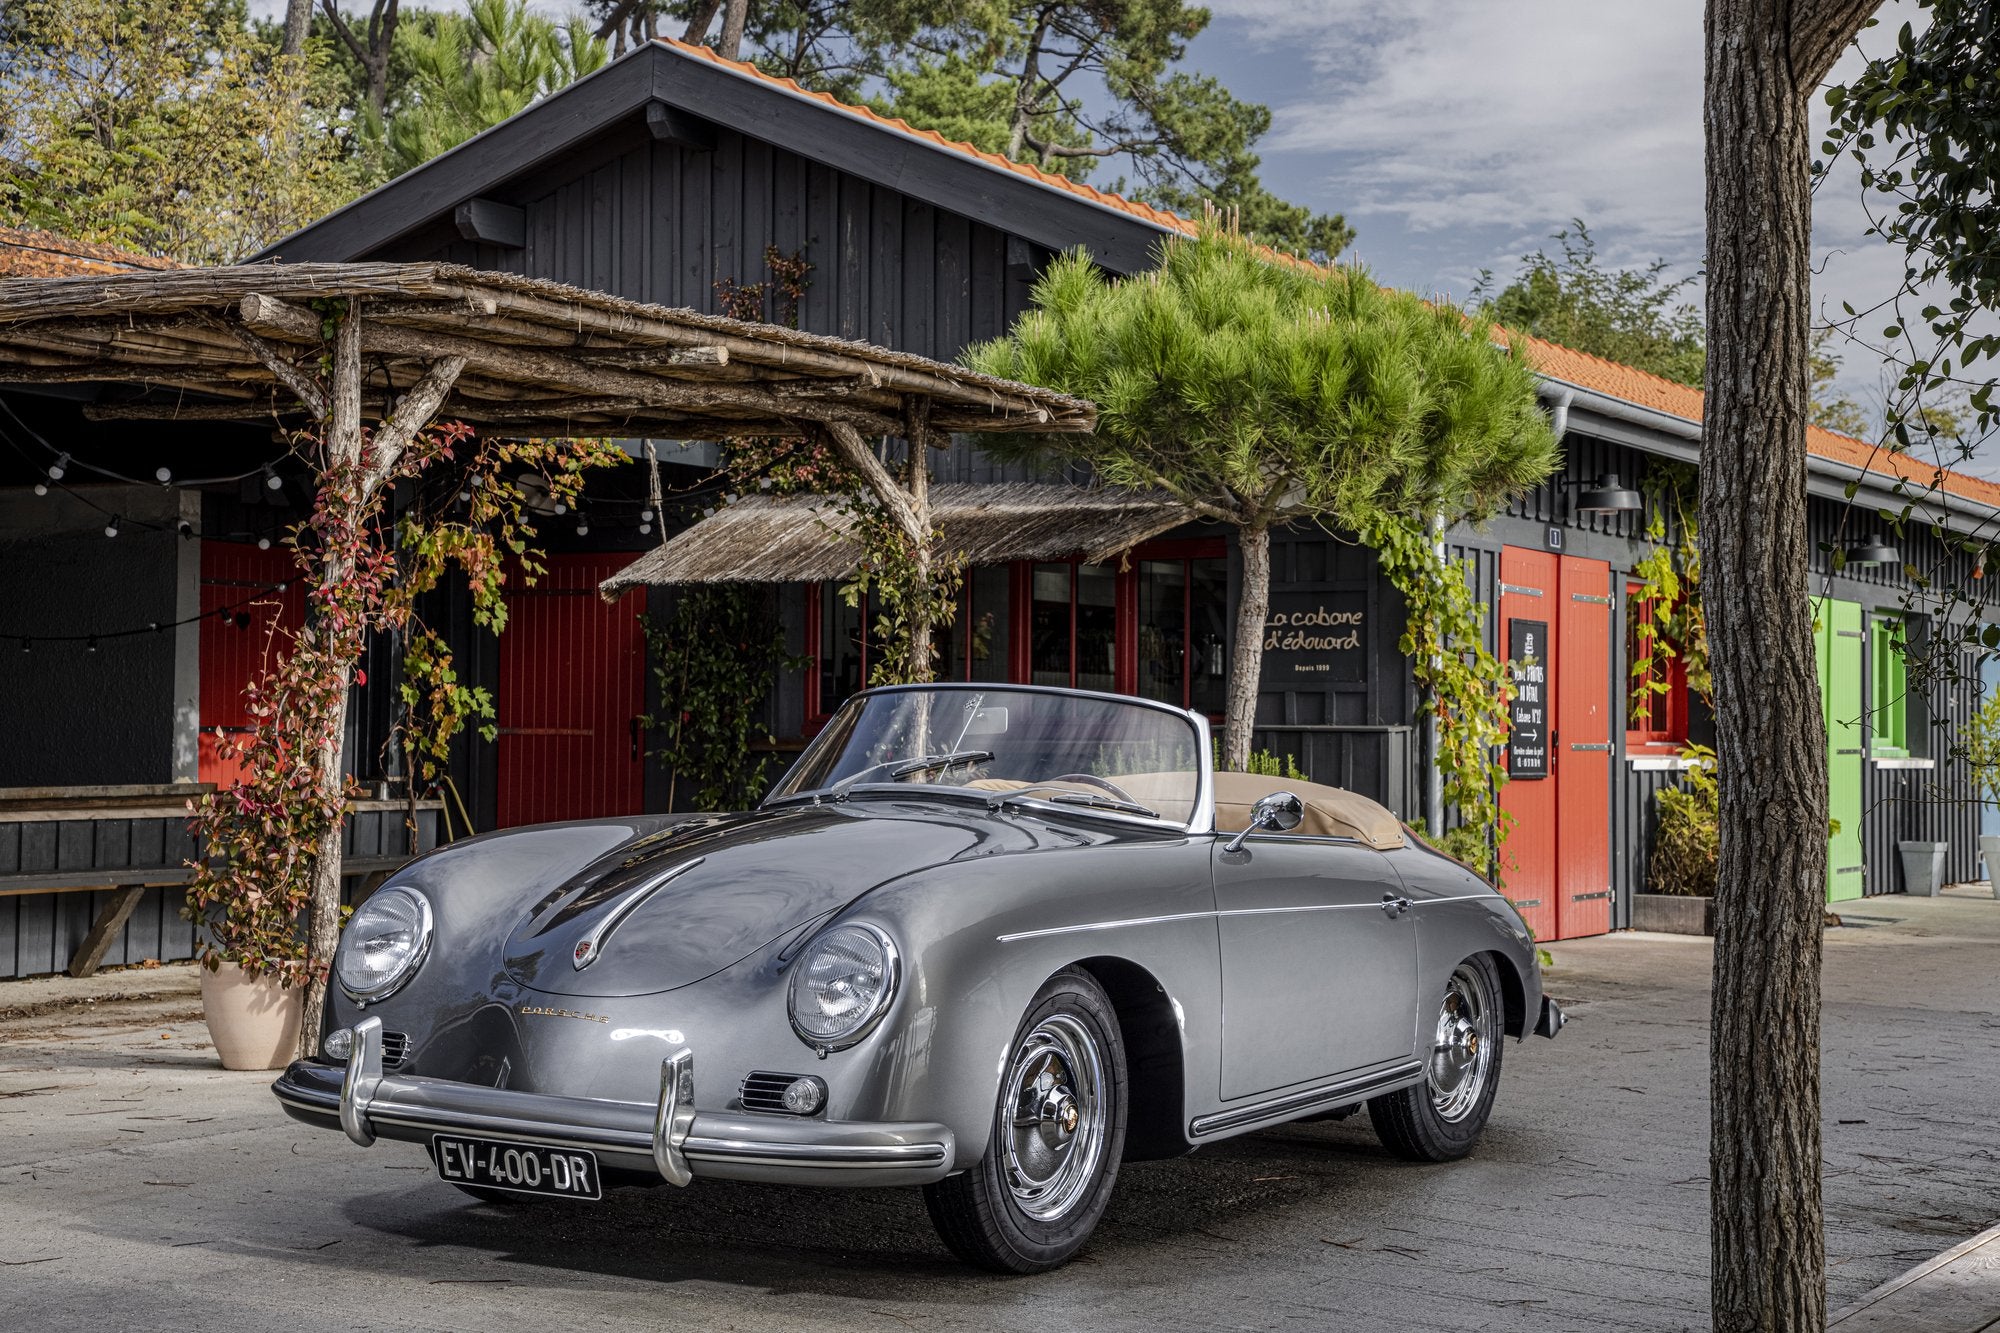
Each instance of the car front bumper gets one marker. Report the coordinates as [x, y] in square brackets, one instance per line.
[670, 1139]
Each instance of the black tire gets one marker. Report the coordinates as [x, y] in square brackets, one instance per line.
[1000, 1215]
[1440, 1119]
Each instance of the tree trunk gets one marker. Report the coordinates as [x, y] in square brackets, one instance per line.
[1246, 655]
[1767, 1240]
[298, 24]
[922, 661]
[730, 44]
[343, 447]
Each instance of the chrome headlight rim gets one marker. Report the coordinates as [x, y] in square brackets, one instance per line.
[396, 980]
[892, 974]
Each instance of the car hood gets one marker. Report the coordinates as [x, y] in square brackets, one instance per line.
[684, 903]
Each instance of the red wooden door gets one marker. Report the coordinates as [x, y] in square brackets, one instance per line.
[572, 684]
[1529, 584]
[239, 611]
[1581, 751]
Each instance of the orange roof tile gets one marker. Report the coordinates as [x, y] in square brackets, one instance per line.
[1572, 367]
[27, 253]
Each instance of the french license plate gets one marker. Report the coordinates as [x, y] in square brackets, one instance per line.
[525, 1168]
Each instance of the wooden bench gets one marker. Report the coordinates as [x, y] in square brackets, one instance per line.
[127, 839]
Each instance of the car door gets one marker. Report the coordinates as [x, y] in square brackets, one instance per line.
[1317, 974]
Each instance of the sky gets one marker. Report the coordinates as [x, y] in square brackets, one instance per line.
[1457, 135]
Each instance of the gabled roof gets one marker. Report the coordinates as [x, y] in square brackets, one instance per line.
[1015, 196]
[28, 253]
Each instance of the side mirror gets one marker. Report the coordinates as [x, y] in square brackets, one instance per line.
[1280, 812]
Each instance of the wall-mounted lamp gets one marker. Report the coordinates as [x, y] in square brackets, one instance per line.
[1871, 551]
[1608, 496]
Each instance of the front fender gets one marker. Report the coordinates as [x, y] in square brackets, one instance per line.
[982, 937]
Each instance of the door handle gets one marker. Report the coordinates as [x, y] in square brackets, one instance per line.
[1393, 905]
[633, 728]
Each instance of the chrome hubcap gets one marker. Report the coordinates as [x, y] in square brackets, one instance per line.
[1053, 1110]
[1462, 1051]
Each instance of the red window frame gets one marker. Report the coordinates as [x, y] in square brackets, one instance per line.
[1021, 576]
[1663, 725]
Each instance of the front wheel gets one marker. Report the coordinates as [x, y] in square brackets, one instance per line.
[1058, 1133]
[1440, 1119]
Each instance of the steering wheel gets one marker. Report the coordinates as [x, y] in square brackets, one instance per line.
[1092, 780]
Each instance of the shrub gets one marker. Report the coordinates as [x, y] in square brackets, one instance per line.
[1685, 846]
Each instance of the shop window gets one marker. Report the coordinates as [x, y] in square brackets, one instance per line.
[1181, 650]
[1888, 683]
[1656, 701]
[1073, 624]
[981, 636]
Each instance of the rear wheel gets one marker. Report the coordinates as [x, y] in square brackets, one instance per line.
[1058, 1133]
[1440, 1119]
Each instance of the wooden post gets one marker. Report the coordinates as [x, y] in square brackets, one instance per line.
[109, 922]
[917, 431]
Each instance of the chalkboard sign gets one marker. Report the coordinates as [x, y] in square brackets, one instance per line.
[1314, 638]
[1528, 715]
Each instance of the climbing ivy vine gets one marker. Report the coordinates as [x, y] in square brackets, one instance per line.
[1464, 684]
[1672, 627]
[715, 660]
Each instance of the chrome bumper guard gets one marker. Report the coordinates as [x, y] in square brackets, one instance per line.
[671, 1138]
[1552, 1019]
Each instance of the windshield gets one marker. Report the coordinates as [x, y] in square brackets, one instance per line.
[1090, 751]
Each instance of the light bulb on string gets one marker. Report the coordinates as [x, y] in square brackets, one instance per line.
[90, 646]
[41, 488]
[57, 468]
[111, 528]
[582, 526]
[272, 481]
[163, 475]
[263, 543]
[27, 647]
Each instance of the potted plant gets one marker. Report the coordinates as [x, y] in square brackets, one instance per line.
[1680, 873]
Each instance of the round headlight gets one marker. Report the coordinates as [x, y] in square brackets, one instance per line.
[841, 986]
[384, 943]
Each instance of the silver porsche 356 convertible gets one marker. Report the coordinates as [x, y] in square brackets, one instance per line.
[989, 941]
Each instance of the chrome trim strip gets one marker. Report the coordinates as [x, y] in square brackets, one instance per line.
[1297, 1103]
[591, 946]
[364, 1076]
[1229, 911]
[824, 1154]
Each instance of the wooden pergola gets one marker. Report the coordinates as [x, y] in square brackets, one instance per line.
[332, 347]
[498, 350]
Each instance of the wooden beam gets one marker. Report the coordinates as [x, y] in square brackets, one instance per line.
[186, 411]
[117, 910]
[668, 124]
[304, 388]
[278, 319]
[492, 223]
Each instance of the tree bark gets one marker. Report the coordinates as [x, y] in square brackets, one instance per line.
[298, 24]
[922, 660]
[343, 447]
[730, 45]
[1246, 655]
[1763, 58]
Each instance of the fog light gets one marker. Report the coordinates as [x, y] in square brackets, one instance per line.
[804, 1096]
[339, 1044]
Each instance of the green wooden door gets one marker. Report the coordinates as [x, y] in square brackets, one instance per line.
[1842, 654]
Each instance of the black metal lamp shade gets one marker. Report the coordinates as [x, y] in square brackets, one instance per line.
[1608, 496]
[1872, 551]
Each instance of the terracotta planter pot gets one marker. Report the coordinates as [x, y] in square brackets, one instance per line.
[254, 1024]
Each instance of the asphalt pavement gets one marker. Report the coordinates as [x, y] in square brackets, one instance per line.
[141, 1187]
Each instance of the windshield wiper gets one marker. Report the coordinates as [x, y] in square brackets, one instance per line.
[1065, 796]
[909, 767]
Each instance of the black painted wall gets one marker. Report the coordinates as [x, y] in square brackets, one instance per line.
[70, 716]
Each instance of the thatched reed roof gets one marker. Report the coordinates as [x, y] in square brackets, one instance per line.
[801, 539]
[539, 357]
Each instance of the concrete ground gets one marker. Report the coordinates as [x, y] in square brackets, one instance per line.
[142, 1187]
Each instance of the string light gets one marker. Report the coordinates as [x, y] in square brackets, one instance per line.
[57, 468]
[111, 528]
[163, 475]
[272, 482]
[41, 488]
[27, 647]
[263, 543]
[582, 526]
[89, 641]
[91, 646]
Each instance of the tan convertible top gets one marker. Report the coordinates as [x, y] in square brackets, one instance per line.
[1331, 812]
